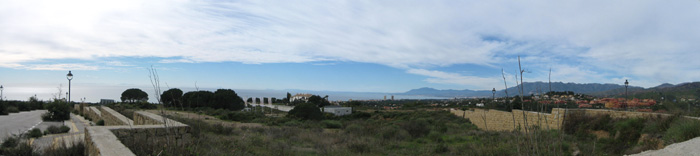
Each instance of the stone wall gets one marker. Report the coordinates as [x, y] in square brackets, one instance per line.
[147, 129]
[93, 113]
[112, 117]
[151, 130]
[495, 120]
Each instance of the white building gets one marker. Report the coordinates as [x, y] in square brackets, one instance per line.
[337, 110]
[304, 97]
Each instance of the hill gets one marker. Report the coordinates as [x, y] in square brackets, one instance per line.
[530, 88]
[667, 91]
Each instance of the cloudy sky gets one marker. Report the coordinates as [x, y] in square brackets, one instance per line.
[364, 46]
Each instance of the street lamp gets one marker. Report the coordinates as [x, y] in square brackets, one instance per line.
[1, 88]
[626, 84]
[494, 94]
[69, 76]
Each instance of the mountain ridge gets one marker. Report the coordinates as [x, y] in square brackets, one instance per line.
[530, 88]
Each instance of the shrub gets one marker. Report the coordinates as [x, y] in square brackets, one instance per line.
[681, 130]
[331, 124]
[10, 142]
[441, 148]
[22, 150]
[355, 129]
[52, 130]
[100, 123]
[393, 132]
[629, 129]
[65, 129]
[416, 129]
[59, 110]
[306, 111]
[35, 133]
[359, 147]
[12, 109]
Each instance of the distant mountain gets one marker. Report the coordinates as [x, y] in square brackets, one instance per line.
[444, 93]
[665, 85]
[668, 91]
[530, 88]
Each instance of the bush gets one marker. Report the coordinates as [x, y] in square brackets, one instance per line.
[331, 124]
[306, 111]
[59, 110]
[35, 133]
[416, 129]
[681, 130]
[100, 123]
[52, 130]
[629, 130]
[65, 129]
[393, 133]
[10, 142]
[22, 150]
[12, 109]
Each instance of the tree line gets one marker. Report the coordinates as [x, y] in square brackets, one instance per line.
[220, 99]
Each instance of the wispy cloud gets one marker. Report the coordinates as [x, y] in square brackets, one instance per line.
[60, 67]
[453, 78]
[650, 40]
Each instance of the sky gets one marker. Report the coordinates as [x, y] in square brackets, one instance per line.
[359, 46]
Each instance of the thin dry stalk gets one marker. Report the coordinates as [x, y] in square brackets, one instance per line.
[512, 114]
[522, 90]
[155, 82]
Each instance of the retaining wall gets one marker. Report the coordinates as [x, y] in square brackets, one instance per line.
[93, 113]
[112, 117]
[495, 120]
[146, 129]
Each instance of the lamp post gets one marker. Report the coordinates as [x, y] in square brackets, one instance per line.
[494, 94]
[1, 97]
[626, 84]
[69, 76]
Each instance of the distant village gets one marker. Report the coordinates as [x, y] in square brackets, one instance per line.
[565, 101]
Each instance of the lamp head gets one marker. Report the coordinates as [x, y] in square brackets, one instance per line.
[626, 82]
[69, 76]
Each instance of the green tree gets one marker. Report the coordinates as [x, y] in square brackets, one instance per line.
[227, 99]
[306, 111]
[35, 104]
[198, 99]
[134, 95]
[172, 97]
[289, 97]
[318, 101]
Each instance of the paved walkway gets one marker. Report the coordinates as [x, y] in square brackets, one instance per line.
[18, 123]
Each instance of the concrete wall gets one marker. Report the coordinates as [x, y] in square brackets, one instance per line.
[93, 113]
[112, 117]
[146, 129]
[495, 120]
